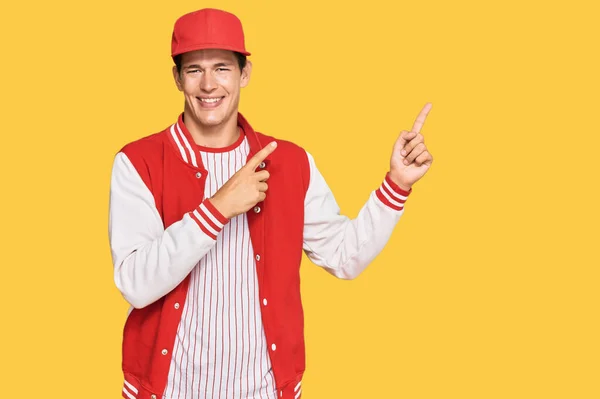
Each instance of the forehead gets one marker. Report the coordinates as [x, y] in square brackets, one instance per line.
[208, 56]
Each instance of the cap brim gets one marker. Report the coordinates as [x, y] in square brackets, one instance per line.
[205, 46]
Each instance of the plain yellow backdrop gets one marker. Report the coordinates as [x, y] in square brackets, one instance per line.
[487, 289]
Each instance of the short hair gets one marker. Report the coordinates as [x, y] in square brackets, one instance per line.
[241, 59]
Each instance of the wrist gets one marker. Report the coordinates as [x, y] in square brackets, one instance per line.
[398, 182]
[220, 207]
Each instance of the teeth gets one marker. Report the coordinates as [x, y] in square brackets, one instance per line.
[210, 100]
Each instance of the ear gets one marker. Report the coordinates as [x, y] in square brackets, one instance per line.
[177, 78]
[246, 74]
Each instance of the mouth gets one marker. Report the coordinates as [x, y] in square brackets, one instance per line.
[210, 102]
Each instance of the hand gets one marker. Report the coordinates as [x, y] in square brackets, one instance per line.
[410, 158]
[245, 188]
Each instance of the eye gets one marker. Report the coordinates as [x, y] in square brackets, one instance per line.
[193, 70]
[222, 69]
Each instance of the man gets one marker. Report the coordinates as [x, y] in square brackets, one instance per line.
[208, 222]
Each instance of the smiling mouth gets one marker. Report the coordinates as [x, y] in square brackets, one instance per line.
[210, 102]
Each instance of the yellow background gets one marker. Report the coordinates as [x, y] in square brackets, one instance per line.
[489, 287]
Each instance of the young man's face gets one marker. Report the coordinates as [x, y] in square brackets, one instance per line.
[211, 81]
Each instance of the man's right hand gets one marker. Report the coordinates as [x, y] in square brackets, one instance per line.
[244, 189]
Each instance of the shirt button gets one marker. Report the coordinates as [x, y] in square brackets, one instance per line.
[257, 257]
[257, 209]
[265, 301]
[198, 175]
[164, 351]
[177, 305]
[273, 347]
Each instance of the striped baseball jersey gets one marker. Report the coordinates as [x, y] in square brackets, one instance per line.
[220, 350]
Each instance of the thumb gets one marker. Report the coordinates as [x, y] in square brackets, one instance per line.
[402, 140]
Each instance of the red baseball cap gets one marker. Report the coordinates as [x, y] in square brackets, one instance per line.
[208, 28]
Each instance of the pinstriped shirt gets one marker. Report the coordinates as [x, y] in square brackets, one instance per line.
[220, 349]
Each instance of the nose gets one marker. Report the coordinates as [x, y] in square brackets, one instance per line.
[208, 82]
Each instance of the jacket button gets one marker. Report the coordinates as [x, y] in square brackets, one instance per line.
[198, 175]
[262, 165]
[257, 257]
[265, 301]
[273, 347]
[257, 209]
[152, 396]
[164, 351]
[177, 305]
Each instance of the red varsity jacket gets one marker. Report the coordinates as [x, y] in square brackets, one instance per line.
[159, 232]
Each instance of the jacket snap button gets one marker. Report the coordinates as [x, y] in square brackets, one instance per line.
[256, 209]
[262, 165]
[198, 175]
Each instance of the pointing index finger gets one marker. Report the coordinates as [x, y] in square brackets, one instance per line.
[261, 155]
[418, 125]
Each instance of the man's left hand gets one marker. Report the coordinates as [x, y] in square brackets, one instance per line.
[410, 157]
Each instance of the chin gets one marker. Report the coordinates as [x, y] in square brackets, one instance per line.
[210, 120]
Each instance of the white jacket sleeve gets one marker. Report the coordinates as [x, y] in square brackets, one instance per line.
[148, 260]
[343, 246]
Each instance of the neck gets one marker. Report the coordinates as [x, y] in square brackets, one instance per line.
[216, 136]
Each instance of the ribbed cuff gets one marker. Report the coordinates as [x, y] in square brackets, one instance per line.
[391, 195]
[209, 219]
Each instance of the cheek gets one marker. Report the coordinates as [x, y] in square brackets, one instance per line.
[188, 85]
[229, 83]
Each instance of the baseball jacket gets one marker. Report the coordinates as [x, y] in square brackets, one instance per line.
[161, 225]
